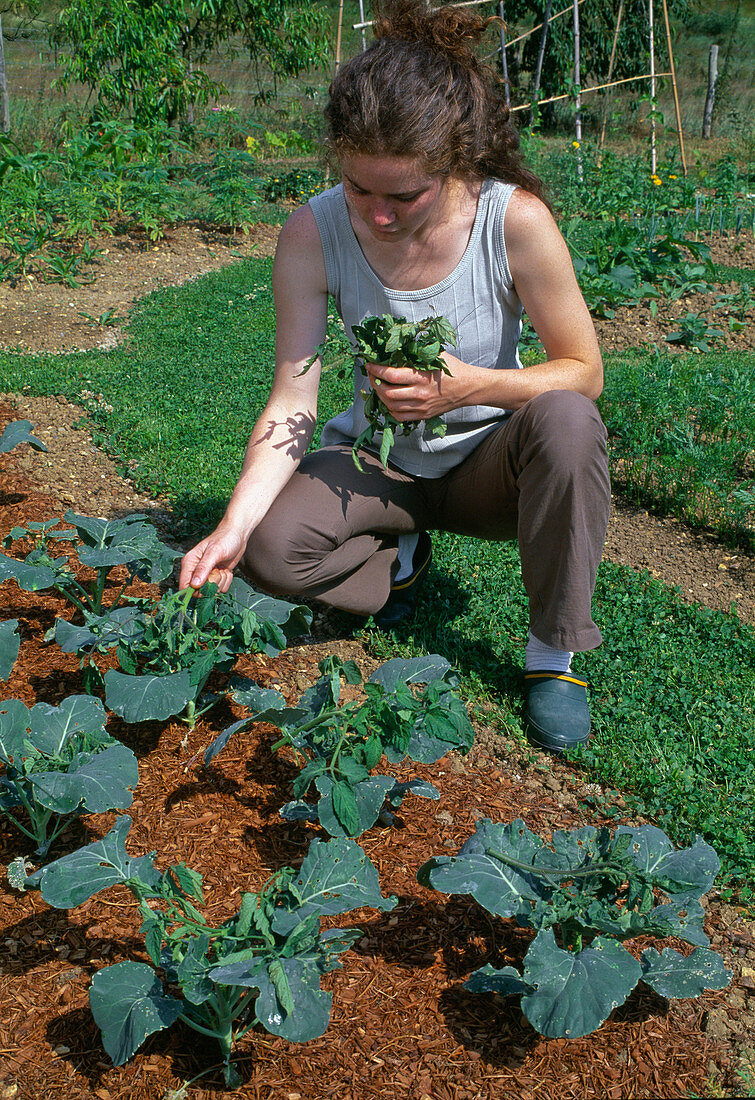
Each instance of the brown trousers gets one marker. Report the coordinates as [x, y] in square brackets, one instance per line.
[541, 477]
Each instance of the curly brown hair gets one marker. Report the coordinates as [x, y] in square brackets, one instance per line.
[421, 90]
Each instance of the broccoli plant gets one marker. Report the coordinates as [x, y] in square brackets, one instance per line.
[59, 762]
[262, 966]
[339, 744]
[400, 343]
[100, 544]
[19, 431]
[168, 647]
[584, 894]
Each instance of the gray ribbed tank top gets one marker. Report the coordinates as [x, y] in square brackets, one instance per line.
[478, 298]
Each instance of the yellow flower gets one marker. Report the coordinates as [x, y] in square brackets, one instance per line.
[673, 177]
[575, 144]
[656, 180]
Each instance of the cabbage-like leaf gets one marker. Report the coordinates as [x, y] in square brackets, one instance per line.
[573, 994]
[440, 732]
[94, 782]
[52, 727]
[414, 670]
[75, 878]
[19, 431]
[336, 876]
[128, 541]
[298, 1010]
[419, 787]
[120, 624]
[147, 698]
[30, 577]
[346, 810]
[672, 975]
[10, 643]
[14, 730]
[294, 619]
[504, 982]
[129, 1004]
[496, 885]
[685, 870]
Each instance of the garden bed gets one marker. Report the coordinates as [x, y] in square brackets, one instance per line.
[402, 1024]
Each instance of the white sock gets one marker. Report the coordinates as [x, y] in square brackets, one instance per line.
[407, 544]
[539, 656]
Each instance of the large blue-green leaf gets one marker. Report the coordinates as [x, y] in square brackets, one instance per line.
[51, 727]
[575, 993]
[128, 541]
[120, 624]
[440, 732]
[346, 810]
[10, 643]
[414, 670]
[94, 782]
[683, 917]
[683, 871]
[257, 699]
[75, 878]
[292, 1004]
[295, 619]
[494, 883]
[14, 729]
[504, 982]
[147, 698]
[192, 972]
[336, 876]
[129, 1004]
[32, 578]
[672, 975]
[19, 431]
[420, 787]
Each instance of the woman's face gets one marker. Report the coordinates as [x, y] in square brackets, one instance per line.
[392, 196]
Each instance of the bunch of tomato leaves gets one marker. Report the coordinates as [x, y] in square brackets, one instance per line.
[167, 648]
[261, 966]
[337, 744]
[398, 343]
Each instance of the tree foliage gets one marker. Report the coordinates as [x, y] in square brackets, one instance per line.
[145, 57]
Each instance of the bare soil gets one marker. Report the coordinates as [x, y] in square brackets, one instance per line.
[402, 1025]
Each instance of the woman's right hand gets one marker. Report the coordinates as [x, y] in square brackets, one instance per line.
[214, 559]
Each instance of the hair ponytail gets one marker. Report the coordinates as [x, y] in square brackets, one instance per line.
[421, 90]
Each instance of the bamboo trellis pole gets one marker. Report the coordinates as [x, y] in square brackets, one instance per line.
[610, 74]
[474, 3]
[673, 84]
[504, 62]
[586, 91]
[651, 32]
[338, 36]
[577, 100]
[540, 56]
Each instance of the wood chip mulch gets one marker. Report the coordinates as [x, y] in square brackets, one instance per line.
[402, 1025]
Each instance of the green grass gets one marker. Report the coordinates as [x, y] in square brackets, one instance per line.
[673, 685]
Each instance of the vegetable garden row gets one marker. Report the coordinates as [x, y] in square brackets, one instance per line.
[155, 655]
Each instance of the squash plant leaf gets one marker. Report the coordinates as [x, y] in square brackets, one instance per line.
[128, 1005]
[10, 643]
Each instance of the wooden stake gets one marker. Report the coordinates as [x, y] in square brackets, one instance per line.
[673, 84]
[610, 74]
[577, 99]
[586, 91]
[4, 106]
[338, 36]
[540, 56]
[711, 96]
[504, 60]
[653, 157]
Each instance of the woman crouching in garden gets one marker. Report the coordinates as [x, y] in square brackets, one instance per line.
[436, 215]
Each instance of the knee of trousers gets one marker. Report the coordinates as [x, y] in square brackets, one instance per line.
[266, 562]
[566, 428]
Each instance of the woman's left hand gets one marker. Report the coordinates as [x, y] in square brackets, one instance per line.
[410, 394]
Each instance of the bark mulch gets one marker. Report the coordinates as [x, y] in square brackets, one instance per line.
[402, 1025]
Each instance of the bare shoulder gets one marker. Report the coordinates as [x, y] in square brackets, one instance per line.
[528, 219]
[299, 255]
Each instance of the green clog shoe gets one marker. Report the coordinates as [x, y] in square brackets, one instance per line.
[556, 713]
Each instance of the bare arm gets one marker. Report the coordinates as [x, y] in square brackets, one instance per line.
[545, 282]
[282, 434]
